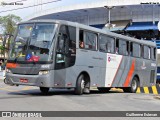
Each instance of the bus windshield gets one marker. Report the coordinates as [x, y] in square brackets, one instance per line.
[33, 42]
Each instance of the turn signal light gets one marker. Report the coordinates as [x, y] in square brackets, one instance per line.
[12, 65]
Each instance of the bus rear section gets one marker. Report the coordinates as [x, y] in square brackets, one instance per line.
[127, 66]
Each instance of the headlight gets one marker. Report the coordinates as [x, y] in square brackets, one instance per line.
[44, 72]
[8, 71]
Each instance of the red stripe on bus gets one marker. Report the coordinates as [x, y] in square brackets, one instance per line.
[117, 71]
[130, 73]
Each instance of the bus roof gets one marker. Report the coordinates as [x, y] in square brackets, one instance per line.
[111, 34]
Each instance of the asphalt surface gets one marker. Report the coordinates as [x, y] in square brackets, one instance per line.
[28, 98]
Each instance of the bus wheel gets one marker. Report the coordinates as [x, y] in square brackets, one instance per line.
[82, 85]
[103, 89]
[44, 90]
[134, 86]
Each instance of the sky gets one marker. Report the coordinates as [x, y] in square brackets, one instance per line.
[29, 11]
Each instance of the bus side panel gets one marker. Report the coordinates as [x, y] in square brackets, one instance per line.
[59, 78]
[136, 67]
[122, 72]
[113, 66]
[129, 71]
[90, 62]
[147, 71]
[72, 74]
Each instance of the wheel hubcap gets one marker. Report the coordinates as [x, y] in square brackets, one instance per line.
[82, 84]
[134, 85]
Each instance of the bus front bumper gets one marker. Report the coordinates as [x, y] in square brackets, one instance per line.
[31, 80]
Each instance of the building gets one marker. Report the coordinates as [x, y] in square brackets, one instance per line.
[138, 18]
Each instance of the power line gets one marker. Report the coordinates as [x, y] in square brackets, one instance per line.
[29, 6]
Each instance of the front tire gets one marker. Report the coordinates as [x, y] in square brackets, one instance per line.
[82, 85]
[44, 90]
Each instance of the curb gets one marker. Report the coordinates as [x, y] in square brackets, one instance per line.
[149, 90]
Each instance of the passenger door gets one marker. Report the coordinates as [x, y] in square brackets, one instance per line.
[65, 54]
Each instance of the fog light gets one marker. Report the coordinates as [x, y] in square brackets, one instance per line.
[44, 72]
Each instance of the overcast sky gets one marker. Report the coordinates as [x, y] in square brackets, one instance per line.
[29, 11]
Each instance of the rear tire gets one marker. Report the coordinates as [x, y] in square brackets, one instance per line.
[44, 90]
[103, 89]
[134, 86]
[82, 85]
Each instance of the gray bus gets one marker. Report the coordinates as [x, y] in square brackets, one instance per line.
[62, 54]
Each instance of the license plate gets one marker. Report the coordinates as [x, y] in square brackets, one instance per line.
[24, 80]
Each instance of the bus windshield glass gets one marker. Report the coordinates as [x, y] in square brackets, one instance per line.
[33, 42]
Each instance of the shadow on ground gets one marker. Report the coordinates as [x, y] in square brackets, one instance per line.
[36, 92]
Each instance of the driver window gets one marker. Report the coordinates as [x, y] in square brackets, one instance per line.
[60, 58]
[66, 47]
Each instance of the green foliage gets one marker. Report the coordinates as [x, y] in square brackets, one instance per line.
[9, 23]
[2, 47]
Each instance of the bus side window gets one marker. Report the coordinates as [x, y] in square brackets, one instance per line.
[127, 49]
[131, 49]
[81, 39]
[136, 49]
[106, 44]
[142, 51]
[102, 43]
[110, 44]
[147, 52]
[90, 40]
[117, 46]
[155, 54]
[123, 47]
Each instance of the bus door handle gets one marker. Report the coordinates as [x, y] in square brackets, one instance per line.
[90, 66]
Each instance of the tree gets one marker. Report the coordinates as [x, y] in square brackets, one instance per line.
[8, 24]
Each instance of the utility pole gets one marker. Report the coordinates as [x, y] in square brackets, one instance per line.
[109, 25]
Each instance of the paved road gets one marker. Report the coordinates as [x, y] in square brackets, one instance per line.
[29, 98]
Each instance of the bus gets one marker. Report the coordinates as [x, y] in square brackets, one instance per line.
[62, 54]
